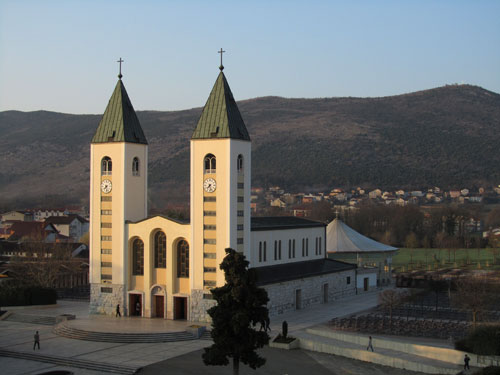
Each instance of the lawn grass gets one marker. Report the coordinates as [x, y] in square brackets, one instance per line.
[411, 259]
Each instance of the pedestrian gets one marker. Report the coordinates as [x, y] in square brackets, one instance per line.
[466, 362]
[37, 340]
[118, 314]
[370, 345]
[138, 309]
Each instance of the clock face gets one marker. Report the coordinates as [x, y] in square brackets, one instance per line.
[106, 186]
[209, 185]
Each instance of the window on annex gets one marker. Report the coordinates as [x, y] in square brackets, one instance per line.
[138, 257]
[209, 164]
[182, 259]
[106, 166]
[160, 250]
[135, 167]
[239, 163]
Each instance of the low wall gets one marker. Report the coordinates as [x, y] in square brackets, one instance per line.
[434, 352]
[372, 357]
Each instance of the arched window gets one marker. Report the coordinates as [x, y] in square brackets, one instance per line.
[135, 167]
[239, 163]
[106, 166]
[138, 257]
[209, 163]
[182, 259]
[160, 250]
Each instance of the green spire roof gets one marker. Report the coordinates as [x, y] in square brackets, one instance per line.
[221, 117]
[119, 122]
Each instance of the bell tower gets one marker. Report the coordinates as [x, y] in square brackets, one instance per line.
[220, 187]
[118, 192]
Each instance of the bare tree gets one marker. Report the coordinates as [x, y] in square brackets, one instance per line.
[390, 299]
[411, 243]
[472, 293]
[40, 264]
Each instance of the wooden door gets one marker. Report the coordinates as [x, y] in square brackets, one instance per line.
[365, 282]
[180, 308]
[159, 307]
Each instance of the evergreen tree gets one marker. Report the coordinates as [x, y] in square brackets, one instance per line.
[241, 305]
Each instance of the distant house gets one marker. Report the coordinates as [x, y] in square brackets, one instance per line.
[375, 194]
[400, 201]
[417, 193]
[288, 198]
[464, 192]
[257, 190]
[475, 199]
[353, 201]
[17, 216]
[309, 198]
[73, 226]
[278, 203]
[341, 197]
[454, 194]
[301, 212]
[400, 193]
[43, 213]
[35, 231]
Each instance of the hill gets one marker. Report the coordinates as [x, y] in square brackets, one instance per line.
[446, 136]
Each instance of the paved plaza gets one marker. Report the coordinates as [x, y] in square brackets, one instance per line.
[18, 337]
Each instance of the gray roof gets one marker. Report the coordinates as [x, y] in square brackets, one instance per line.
[282, 222]
[342, 239]
[298, 270]
[119, 122]
[221, 117]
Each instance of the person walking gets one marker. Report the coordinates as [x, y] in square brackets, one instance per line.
[37, 340]
[118, 314]
[466, 362]
[370, 345]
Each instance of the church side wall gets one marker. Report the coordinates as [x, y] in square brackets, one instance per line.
[283, 296]
[284, 235]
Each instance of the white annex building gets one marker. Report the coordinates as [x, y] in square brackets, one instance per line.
[374, 259]
[161, 267]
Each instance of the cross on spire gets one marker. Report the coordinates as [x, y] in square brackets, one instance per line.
[221, 67]
[120, 61]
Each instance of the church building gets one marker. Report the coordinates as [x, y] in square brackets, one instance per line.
[162, 267]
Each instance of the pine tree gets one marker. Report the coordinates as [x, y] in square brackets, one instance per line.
[241, 305]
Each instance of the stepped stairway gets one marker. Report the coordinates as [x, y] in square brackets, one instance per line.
[322, 341]
[126, 338]
[31, 319]
[100, 367]
[206, 336]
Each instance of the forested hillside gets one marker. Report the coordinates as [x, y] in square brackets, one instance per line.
[447, 137]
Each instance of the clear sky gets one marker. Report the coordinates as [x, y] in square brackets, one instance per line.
[61, 55]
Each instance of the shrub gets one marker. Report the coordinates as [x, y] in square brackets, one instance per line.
[490, 370]
[19, 295]
[483, 341]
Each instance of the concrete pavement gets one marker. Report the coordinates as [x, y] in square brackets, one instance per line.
[18, 337]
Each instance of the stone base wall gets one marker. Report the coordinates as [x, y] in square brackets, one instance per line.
[282, 296]
[199, 306]
[104, 302]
